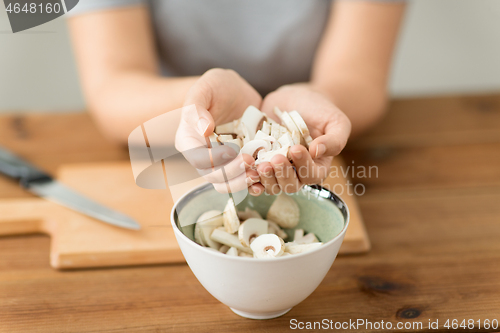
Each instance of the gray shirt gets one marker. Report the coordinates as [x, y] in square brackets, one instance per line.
[269, 43]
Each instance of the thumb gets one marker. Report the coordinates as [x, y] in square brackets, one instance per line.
[199, 119]
[332, 142]
[195, 111]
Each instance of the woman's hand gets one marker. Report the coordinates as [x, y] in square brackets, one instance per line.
[329, 127]
[218, 97]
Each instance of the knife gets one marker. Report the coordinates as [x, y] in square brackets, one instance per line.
[43, 185]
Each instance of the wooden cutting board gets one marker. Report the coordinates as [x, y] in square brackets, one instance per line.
[78, 241]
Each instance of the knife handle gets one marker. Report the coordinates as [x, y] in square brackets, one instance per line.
[16, 168]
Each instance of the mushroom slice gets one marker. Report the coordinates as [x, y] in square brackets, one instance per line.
[253, 119]
[296, 137]
[197, 236]
[251, 229]
[286, 140]
[298, 234]
[225, 137]
[223, 237]
[204, 226]
[225, 128]
[283, 131]
[232, 252]
[253, 147]
[235, 144]
[248, 213]
[284, 211]
[242, 132]
[246, 136]
[273, 228]
[238, 127]
[224, 249]
[277, 112]
[260, 135]
[276, 131]
[206, 232]
[294, 248]
[307, 239]
[213, 139]
[266, 156]
[270, 139]
[230, 217]
[244, 254]
[267, 246]
[266, 128]
[288, 122]
[301, 124]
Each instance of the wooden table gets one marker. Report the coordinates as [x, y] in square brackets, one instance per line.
[433, 215]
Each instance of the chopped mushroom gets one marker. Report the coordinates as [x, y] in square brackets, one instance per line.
[209, 232]
[267, 246]
[232, 252]
[307, 239]
[205, 224]
[231, 221]
[294, 248]
[249, 213]
[251, 229]
[254, 127]
[223, 237]
[284, 211]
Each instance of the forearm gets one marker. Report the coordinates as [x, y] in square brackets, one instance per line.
[119, 70]
[353, 61]
[126, 100]
[363, 103]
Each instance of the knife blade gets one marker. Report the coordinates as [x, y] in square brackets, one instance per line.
[43, 185]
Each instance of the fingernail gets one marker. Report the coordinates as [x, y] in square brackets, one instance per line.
[320, 150]
[250, 180]
[245, 164]
[203, 125]
[297, 154]
[266, 172]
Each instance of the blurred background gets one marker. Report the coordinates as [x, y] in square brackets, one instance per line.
[446, 47]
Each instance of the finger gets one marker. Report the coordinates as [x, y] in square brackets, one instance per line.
[307, 170]
[334, 139]
[221, 173]
[206, 158]
[267, 178]
[256, 189]
[196, 115]
[233, 185]
[285, 174]
[249, 161]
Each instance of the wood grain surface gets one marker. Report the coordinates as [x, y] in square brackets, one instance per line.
[433, 216]
[79, 241]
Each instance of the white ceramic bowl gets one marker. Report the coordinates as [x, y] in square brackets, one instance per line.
[262, 288]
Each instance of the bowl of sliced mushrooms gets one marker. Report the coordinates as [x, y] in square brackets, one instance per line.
[262, 255]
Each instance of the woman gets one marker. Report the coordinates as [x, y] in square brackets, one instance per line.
[328, 60]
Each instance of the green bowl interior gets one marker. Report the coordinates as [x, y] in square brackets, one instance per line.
[318, 215]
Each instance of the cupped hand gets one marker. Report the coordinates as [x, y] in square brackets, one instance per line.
[218, 97]
[329, 128]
